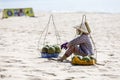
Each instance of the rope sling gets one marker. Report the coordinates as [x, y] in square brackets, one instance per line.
[84, 21]
[45, 30]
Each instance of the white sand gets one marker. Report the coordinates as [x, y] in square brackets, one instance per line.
[19, 57]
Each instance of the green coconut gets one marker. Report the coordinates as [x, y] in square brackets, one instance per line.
[86, 58]
[51, 50]
[92, 58]
[44, 49]
[57, 49]
[78, 57]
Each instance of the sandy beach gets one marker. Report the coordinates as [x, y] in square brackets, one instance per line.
[20, 58]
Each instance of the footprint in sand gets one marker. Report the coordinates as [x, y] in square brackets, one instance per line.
[1, 70]
[70, 78]
[112, 76]
[4, 76]
[35, 78]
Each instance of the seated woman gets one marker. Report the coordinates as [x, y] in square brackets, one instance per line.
[81, 45]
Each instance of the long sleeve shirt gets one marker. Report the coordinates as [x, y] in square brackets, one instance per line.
[84, 43]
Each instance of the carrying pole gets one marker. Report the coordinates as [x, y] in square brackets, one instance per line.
[84, 21]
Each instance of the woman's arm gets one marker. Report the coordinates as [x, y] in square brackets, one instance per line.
[78, 40]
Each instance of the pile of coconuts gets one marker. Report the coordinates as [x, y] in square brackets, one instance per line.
[51, 49]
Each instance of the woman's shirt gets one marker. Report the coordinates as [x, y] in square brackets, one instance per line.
[84, 44]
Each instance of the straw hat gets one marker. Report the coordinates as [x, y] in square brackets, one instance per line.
[82, 28]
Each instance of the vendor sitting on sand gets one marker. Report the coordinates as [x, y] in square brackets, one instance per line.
[79, 46]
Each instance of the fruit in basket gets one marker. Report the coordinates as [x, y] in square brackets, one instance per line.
[44, 49]
[57, 49]
[86, 58]
[76, 59]
[92, 58]
[51, 50]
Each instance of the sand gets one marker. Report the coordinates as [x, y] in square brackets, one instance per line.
[20, 58]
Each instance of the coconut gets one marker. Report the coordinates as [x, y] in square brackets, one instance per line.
[44, 49]
[51, 50]
[77, 57]
[92, 58]
[57, 49]
[86, 58]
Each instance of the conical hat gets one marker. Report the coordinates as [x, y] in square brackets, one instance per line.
[82, 28]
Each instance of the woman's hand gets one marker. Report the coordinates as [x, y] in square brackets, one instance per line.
[64, 45]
